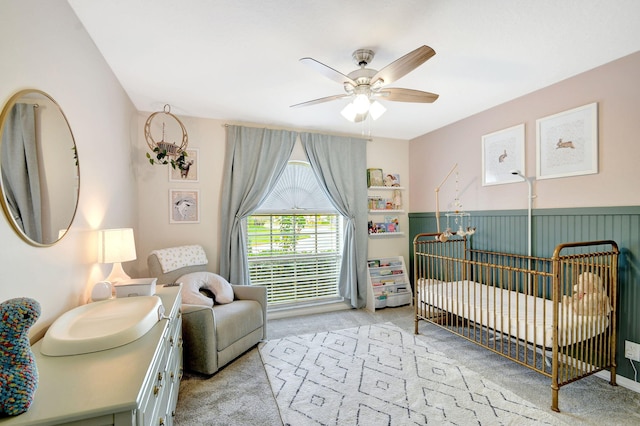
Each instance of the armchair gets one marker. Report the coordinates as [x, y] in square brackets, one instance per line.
[212, 336]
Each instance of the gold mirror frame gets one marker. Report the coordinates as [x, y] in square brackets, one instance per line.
[57, 162]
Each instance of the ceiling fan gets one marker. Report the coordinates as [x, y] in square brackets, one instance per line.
[366, 85]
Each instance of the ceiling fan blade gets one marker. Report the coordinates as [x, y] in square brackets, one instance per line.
[406, 95]
[320, 100]
[401, 67]
[328, 72]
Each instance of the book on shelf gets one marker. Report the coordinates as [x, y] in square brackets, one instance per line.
[391, 179]
[380, 228]
[392, 223]
[376, 202]
[384, 227]
[381, 204]
[375, 177]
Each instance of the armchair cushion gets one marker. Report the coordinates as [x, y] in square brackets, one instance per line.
[194, 282]
[171, 259]
[236, 320]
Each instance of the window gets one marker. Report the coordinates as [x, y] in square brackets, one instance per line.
[295, 241]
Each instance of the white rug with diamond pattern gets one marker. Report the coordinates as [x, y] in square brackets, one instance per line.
[381, 375]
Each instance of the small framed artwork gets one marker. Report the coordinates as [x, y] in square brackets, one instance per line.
[190, 173]
[567, 143]
[184, 206]
[503, 152]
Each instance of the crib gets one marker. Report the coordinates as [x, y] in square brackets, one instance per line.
[519, 306]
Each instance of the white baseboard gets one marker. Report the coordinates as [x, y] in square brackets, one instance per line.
[620, 380]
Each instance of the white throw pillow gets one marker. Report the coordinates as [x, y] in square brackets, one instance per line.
[192, 284]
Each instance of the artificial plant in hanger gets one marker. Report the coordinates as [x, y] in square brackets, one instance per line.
[163, 152]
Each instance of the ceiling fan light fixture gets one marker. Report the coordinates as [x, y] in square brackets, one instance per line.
[377, 85]
[364, 85]
[376, 110]
[361, 103]
[349, 112]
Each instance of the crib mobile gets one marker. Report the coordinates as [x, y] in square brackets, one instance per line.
[461, 219]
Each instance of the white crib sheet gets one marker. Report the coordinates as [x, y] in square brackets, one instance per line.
[523, 317]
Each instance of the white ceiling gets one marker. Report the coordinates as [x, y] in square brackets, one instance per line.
[237, 60]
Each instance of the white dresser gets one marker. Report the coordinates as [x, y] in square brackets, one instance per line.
[135, 384]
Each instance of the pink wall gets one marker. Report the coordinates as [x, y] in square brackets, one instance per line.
[616, 89]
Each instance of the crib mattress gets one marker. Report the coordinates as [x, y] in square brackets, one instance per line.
[515, 314]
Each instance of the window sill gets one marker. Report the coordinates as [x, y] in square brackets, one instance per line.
[273, 314]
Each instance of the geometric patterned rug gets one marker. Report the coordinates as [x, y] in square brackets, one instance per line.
[381, 375]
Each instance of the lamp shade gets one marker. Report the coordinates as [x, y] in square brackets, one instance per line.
[349, 112]
[376, 110]
[360, 108]
[361, 103]
[116, 245]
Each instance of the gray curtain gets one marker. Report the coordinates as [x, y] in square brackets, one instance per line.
[340, 166]
[254, 160]
[20, 172]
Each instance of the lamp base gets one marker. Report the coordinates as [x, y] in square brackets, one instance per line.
[117, 274]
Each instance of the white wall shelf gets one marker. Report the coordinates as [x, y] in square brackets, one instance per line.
[387, 188]
[377, 208]
[386, 234]
[384, 211]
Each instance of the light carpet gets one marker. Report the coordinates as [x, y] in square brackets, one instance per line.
[381, 375]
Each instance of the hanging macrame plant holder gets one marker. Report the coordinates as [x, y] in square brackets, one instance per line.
[163, 152]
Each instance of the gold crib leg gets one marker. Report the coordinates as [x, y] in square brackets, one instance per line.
[554, 398]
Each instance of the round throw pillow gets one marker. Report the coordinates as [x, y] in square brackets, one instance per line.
[194, 282]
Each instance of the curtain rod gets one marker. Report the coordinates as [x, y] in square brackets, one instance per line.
[227, 125]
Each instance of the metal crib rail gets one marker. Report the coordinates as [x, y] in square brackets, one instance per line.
[501, 301]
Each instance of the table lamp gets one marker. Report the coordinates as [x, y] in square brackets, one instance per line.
[116, 246]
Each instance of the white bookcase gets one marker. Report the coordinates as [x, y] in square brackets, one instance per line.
[389, 284]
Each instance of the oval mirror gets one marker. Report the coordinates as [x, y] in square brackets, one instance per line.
[40, 175]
